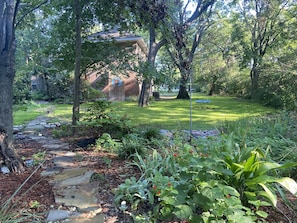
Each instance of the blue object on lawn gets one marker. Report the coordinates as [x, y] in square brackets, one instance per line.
[203, 101]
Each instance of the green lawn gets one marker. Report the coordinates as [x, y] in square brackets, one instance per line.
[25, 113]
[175, 114]
[166, 114]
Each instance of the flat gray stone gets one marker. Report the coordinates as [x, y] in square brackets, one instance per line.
[78, 180]
[70, 173]
[49, 172]
[41, 138]
[64, 161]
[58, 215]
[83, 197]
[62, 153]
[60, 145]
[96, 219]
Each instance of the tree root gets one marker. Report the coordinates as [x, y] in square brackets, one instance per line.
[8, 155]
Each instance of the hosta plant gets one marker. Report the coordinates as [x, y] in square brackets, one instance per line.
[253, 175]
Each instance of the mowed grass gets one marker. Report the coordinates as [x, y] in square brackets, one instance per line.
[25, 113]
[176, 114]
[167, 113]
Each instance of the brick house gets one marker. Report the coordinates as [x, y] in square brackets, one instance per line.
[117, 87]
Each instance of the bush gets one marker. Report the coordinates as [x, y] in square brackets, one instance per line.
[101, 117]
[106, 143]
[131, 144]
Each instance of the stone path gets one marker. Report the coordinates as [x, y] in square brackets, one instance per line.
[72, 185]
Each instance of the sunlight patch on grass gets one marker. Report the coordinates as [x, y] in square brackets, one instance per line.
[25, 113]
[165, 114]
[176, 113]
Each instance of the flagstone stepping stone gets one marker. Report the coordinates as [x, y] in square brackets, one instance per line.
[83, 197]
[96, 219]
[70, 173]
[51, 171]
[83, 179]
[56, 145]
[59, 215]
[64, 161]
[62, 153]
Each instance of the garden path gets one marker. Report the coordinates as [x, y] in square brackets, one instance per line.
[72, 185]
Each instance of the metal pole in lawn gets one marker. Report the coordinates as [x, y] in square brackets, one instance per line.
[191, 104]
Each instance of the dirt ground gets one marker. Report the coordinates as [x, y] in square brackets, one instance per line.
[37, 195]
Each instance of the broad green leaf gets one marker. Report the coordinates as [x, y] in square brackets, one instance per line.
[260, 179]
[196, 219]
[250, 195]
[166, 212]
[229, 190]
[248, 166]
[235, 167]
[239, 216]
[265, 167]
[183, 211]
[269, 194]
[289, 184]
[262, 214]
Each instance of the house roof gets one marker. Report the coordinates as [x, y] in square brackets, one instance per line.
[120, 37]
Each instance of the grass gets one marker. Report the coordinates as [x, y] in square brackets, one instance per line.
[25, 113]
[164, 114]
[175, 114]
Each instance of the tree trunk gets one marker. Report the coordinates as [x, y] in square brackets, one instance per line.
[254, 74]
[213, 86]
[7, 73]
[8, 155]
[6, 94]
[144, 94]
[76, 93]
[183, 93]
[146, 83]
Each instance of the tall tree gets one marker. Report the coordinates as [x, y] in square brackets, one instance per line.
[185, 36]
[8, 23]
[8, 9]
[76, 94]
[149, 14]
[258, 25]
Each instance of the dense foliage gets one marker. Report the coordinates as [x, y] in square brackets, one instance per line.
[224, 178]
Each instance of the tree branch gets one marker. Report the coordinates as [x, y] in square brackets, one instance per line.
[199, 10]
[29, 11]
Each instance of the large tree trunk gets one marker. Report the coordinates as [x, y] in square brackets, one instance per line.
[254, 74]
[76, 93]
[7, 73]
[6, 93]
[146, 83]
[183, 93]
[144, 94]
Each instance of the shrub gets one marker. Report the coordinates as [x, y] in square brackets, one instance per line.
[106, 143]
[131, 144]
[100, 116]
